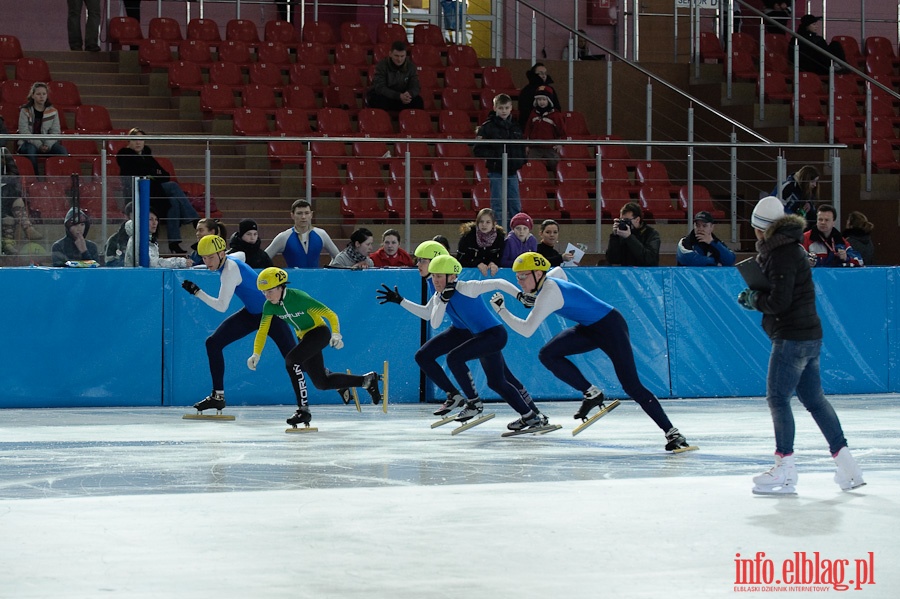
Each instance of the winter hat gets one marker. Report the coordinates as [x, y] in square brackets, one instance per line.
[544, 91]
[247, 225]
[767, 211]
[807, 20]
[704, 217]
[521, 219]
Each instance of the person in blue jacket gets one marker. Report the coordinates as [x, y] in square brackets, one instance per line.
[302, 244]
[236, 279]
[701, 247]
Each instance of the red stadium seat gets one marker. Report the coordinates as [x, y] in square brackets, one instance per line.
[535, 203]
[300, 97]
[242, 30]
[574, 203]
[235, 51]
[283, 32]
[65, 95]
[197, 52]
[654, 173]
[710, 48]
[164, 29]
[266, 74]
[217, 100]
[48, 198]
[250, 121]
[205, 30]
[32, 69]
[92, 118]
[500, 80]
[334, 122]
[366, 171]
[154, 54]
[13, 94]
[261, 97]
[450, 172]
[415, 123]
[453, 98]
[60, 168]
[356, 33]
[883, 158]
[534, 173]
[428, 34]
[658, 202]
[427, 56]
[461, 55]
[375, 122]
[226, 74]
[456, 123]
[615, 196]
[318, 31]
[123, 31]
[185, 76]
[852, 54]
[359, 201]
[390, 32]
[461, 77]
[294, 122]
[447, 203]
[395, 203]
[417, 181]
[325, 175]
[702, 201]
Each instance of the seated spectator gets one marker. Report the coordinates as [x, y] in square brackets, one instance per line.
[23, 229]
[547, 245]
[246, 245]
[443, 241]
[117, 244]
[131, 258]
[815, 59]
[519, 240]
[302, 244]
[75, 246]
[826, 245]
[166, 196]
[481, 243]
[858, 233]
[395, 82]
[632, 243]
[799, 193]
[39, 123]
[390, 253]
[206, 226]
[545, 123]
[356, 255]
[537, 77]
[780, 12]
[701, 247]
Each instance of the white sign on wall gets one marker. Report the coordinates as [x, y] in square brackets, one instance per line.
[700, 3]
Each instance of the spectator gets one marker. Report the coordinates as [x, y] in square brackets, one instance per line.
[545, 123]
[303, 243]
[858, 233]
[632, 243]
[780, 12]
[395, 83]
[481, 243]
[826, 245]
[356, 255]
[519, 240]
[701, 247]
[443, 241]
[245, 245]
[390, 253]
[117, 244]
[24, 230]
[91, 38]
[131, 259]
[166, 196]
[500, 125]
[133, 9]
[800, 192]
[10, 184]
[19, 233]
[75, 245]
[39, 122]
[206, 226]
[537, 77]
[815, 59]
[547, 245]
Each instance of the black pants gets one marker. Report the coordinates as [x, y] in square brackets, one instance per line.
[307, 357]
[133, 9]
[377, 101]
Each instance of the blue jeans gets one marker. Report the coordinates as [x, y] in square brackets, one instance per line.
[180, 211]
[513, 205]
[31, 152]
[794, 366]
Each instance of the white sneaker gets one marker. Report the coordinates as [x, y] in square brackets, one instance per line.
[781, 479]
[848, 474]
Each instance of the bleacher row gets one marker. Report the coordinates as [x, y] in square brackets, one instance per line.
[880, 62]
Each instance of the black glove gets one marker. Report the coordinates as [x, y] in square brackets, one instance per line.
[386, 295]
[526, 299]
[190, 287]
[448, 292]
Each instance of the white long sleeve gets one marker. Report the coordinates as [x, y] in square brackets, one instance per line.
[230, 279]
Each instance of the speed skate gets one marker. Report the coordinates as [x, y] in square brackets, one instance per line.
[471, 423]
[586, 422]
[302, 429]
[201, 416]
[534, 430]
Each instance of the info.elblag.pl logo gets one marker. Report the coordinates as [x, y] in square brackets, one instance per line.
[803, 572]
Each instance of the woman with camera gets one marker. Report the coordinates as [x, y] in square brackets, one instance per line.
[632, 243]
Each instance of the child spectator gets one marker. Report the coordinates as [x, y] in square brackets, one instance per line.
[500, 125]
[246, 245]
[519, 240]
[481, 243]
[545, 122]
[75, 245]
[390, 253]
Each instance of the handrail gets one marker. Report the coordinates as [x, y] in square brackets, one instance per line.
[650, 75]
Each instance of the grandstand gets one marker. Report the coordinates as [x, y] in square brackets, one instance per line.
[257, 80]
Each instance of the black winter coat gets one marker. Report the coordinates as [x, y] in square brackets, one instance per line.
[497, 128]
[470, 254]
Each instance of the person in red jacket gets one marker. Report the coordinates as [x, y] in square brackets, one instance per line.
[390, 253]
[545, 122]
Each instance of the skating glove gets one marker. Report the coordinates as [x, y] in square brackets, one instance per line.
[526, 299]
[190, 287]
[448, 292]
[386, 295]
[497, 302]
[337, 342]
[747, 299]
[252, 361]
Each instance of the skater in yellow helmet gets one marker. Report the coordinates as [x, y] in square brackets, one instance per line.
[317, 327]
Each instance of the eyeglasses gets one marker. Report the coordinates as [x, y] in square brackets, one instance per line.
[521, 276]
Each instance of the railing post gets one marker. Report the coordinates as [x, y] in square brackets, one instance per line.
[407, 200]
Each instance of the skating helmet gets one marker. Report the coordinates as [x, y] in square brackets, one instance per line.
[430, 250]
[270, 278]
[210, 244]
[445, 265]
[530, 261]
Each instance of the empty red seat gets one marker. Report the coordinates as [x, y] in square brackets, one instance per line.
[65, 95]
[359, 201]
[614, 196]
[92, 118]
[461, 77]
[329, 147]
[226, 74]
[375, 122]
[852, 54]
[49, 199]
[235, 51]
[658, 202]
[877, 45]
[574, 203]
[333, 122]
[356, 33]
[283, 32]
[534, 173]
[366, 171]
[576, 124]
[455, 123]
[216, 100]
[325, 175]
[242, 30]
[13, 94]
[702, 201]
[274, 53]
[461, 55]
[352, 55]
[415, 123]
[185, 76]
[299, 97]
[345, 76]
[572, 171]
[164, 28]
[447, 202]
[154, 54]
[266, 74]
[427, 56]
[500, 80]
[883, 157]
[61, 168]
[318, 31]
[292, 121]
[535, 202]
[654, 173]
[32, 69]
[450, 172]
[205, 30]
[428, 34]
[743, 67]
[390, 32]
[417, 180]
[710, 47]
[250, 121]
[395, 203]
[197, 52]
[123, 31]
[453, 98]
[261, 97]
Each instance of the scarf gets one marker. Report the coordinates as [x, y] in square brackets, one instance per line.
[354, 255]
[485, 240]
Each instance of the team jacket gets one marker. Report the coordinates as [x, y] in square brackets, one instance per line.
[301, 312]
[825, 248]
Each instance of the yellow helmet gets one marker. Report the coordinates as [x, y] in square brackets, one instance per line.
[445, 265]
[270, 278]
[430, 250]
[210, 244]
[530, 261]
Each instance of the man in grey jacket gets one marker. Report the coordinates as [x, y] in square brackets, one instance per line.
[395, 84]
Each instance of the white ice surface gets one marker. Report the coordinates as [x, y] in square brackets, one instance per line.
[139, 503]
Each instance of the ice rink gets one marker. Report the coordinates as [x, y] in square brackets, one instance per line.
[140, 503]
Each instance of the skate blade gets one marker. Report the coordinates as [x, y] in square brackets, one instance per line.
[201, 416]
[603, 412]
[384, 387]
[471, 423]
[355, 396]
[443, 421]
[535, 430]
[305, 429]
[683, 449]
[775, 492]
[854, 487]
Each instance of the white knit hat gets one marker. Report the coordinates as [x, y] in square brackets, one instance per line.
[767, 211]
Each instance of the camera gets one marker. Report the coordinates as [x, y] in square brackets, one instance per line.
[624, 224]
